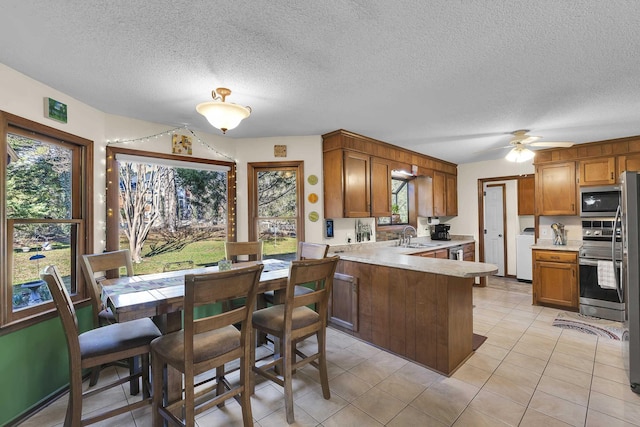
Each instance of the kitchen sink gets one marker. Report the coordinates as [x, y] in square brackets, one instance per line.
[422, 245]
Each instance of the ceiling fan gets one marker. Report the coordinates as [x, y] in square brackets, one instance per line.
[521, 140]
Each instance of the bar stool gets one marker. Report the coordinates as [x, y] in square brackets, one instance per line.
[293, 321]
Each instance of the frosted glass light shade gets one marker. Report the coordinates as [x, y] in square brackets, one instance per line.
[520, 154]
[223, 115]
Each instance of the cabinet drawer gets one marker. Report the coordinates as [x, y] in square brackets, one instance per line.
[555, 256]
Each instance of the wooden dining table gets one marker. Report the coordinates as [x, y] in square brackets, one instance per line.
[160, 296]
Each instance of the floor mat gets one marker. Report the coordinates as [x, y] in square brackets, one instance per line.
[589, 325]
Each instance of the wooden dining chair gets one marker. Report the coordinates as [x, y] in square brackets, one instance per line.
[97, 347]
[293, 321]
[306, 250]
[96, 267]
[207, 343]
[252, 250]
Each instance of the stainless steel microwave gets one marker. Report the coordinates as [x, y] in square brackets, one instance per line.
[599, 201]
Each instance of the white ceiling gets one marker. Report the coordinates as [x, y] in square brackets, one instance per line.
[448, 78]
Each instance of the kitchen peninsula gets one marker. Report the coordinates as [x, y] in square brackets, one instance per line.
[417, 307]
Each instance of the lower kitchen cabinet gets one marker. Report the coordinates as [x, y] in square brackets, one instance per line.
[469, 252]
[555, 279]
[424, 317]
[343, 304]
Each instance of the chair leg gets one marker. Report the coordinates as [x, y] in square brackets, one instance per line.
[134, 368]
[288, 383]
[74, 408]
[252, 361]
[95, 375]
[322, 363]
[189, 399]
[157, 369]
[220, 384]
[146, 392]
[245, 397]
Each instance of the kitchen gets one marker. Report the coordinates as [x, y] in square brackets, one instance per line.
[22, 94]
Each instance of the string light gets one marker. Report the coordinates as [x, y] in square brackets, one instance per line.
[169, 133]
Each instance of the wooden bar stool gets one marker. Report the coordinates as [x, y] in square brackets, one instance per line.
[207, 343]
[293, 321]
[96, 347]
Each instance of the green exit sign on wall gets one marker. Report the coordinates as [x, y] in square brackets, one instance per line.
[55, 110]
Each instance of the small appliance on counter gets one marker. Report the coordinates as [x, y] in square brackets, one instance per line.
[440, 232]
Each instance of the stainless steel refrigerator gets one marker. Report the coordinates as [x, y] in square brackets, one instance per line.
[630, 214]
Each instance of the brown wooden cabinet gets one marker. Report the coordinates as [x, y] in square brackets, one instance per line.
[343, 303]
[598, 171]
[445, 194]
[357, 185]
[469, 252]
[424, 195]
[629, 162]
[556, 189]
[555, 279]
[452, 195]
[380, 187]
[526, 195]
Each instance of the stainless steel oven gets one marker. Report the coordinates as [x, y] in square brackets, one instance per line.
[600, 243]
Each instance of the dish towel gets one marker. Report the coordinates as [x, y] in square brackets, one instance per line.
[606, 278]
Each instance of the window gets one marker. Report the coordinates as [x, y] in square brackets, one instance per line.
[399, 203]
[171, 213]
[275, 207]
[47, 214]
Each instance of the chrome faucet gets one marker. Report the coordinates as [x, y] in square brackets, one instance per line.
[407, 239]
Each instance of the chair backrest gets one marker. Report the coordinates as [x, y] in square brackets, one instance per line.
[308, 250]
[96, 267]
[67, 312]
[318, 272]
[251, 249]
[210, 288]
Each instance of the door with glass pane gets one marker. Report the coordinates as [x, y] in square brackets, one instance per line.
[276, 208]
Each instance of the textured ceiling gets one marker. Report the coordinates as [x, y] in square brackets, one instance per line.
[448, 78]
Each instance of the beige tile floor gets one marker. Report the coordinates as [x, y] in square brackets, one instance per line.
[527, 373]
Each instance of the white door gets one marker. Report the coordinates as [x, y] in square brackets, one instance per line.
[494, 226]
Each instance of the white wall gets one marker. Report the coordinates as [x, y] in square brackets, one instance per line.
[467, 220]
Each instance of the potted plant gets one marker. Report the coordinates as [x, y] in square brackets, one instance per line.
[395, 214]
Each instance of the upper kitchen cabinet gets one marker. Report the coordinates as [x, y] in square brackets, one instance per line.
[357, 176]
[598, 171]
[526, 195]
[556, 189]
[445, 194]
[380, 187]
[629, 162]
[424, 195]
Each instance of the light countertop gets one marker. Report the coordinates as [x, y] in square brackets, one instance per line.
[547, 244]
[389, 255]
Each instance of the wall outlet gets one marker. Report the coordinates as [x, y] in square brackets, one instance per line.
[544, 232]
[349, 238]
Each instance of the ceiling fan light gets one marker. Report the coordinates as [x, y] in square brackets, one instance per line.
[223, 115]
[519, 154]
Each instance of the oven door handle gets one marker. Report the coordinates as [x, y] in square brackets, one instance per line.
[613, 251]
[594, 262]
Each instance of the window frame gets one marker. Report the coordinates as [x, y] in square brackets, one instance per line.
[113, 190]
[81, 215]
[252, 183]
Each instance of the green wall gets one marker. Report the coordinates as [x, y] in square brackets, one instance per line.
[34, 364]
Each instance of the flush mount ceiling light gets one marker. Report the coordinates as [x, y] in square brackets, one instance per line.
[223, 115]
[519, 154]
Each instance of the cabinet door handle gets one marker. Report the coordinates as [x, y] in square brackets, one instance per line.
[611, 175]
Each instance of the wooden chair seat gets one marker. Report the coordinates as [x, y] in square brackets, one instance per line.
[119, 337]
[97, 347]
[272, 318]
[206, 346]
